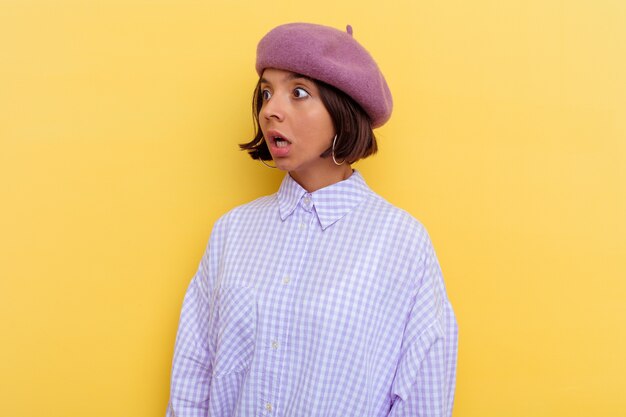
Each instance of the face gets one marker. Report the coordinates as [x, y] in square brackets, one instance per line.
[295, 124]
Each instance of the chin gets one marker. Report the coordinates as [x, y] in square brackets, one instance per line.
[282, 165]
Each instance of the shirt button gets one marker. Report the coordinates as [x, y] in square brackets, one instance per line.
[301, 226]
[286, 280]
[268, 407]
[274, 344]
[307, 200]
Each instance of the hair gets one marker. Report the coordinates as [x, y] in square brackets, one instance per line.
[355, 137]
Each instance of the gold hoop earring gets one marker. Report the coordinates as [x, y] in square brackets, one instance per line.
[266, 164]
[333, 153]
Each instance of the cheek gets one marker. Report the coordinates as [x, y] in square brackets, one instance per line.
[263, 126]
[321, 122]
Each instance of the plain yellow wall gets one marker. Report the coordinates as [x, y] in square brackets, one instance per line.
[118, 129]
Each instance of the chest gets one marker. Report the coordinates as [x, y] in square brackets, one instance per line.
[310, 283]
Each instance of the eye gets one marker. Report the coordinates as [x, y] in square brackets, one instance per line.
[300, 92]
[265, 93]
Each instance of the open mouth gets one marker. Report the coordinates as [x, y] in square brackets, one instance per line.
[278, 144]
[280, 141]
[277, 141]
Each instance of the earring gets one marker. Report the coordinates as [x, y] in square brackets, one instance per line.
[266, 164]
[333, 153]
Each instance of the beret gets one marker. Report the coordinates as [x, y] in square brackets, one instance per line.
[331, 56]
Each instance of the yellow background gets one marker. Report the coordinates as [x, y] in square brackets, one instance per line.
[118, 129]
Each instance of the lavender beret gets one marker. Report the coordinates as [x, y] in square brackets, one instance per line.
[332, 56]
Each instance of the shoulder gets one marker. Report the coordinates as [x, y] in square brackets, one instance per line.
[236, 220]
[246, 212]
[401, 234]
[403, 243]
[395, 219]
[410, 240]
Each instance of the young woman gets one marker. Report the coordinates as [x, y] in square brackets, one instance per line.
[322, 299]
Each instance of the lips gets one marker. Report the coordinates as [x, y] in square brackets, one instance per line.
[279, 144]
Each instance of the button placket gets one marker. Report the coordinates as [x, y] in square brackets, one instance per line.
[307, 214]
[277, 342]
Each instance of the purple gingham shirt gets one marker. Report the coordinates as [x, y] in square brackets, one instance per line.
[328, 303]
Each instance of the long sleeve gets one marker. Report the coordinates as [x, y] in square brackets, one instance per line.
[426, 375]
[191, 367]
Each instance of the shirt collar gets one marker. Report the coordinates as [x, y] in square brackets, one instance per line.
[331, 203]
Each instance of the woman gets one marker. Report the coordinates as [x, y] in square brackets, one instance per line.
[322, 299]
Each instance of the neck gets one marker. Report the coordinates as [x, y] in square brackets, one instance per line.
[313, 182]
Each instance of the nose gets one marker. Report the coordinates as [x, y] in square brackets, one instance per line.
[273, 109]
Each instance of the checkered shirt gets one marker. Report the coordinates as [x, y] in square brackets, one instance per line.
[329, 303]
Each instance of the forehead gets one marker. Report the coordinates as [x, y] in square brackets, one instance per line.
[277, 76]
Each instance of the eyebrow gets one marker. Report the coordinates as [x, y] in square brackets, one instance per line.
[290, 77]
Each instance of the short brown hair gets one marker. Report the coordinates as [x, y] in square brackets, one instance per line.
[355, 137]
